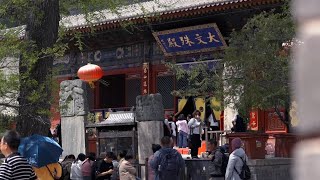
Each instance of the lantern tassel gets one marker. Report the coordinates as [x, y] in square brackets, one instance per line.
[91, 84]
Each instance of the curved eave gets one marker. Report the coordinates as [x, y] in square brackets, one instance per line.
[174, 14]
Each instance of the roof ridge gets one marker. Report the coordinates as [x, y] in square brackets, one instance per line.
[140, 10]
[153, 7]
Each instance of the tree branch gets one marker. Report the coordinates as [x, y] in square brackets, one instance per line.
[282, 118]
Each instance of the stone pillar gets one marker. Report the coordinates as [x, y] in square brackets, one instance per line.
[306, 88]
[150, 117]
[73, 109]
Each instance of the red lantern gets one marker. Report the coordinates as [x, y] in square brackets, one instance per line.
[90, 73]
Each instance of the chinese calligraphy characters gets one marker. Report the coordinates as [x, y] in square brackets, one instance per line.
[212, 38]
[253, 120]
[187, 40]
[145, 79]
[199, 38]
[172, 42]
[190, 40]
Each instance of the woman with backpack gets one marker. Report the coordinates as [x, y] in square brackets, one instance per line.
[237, 161]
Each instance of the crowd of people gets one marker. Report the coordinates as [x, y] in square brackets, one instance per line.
[84, 167]
[108, 167]
[188, 131]
[166, 163]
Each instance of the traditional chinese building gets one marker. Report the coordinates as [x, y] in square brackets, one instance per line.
[163, 30]
[132, 58]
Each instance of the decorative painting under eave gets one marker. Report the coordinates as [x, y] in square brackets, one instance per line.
[194, 39]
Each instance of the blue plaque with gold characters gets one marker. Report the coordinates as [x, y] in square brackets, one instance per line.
[194, 39]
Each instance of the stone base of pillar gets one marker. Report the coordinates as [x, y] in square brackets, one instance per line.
[73, 135]
[149, 132]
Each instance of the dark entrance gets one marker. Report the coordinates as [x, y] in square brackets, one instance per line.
[113, 95]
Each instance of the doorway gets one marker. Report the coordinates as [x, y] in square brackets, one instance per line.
[113, 95]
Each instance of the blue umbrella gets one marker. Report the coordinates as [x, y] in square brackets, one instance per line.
[40, 150]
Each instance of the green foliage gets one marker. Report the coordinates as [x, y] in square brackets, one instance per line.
[257, 71]
[256, 67]
[18, 12]
[26, 53]
[6, 122]
[198, 80]
[32, 51]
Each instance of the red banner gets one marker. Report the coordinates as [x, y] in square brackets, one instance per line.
[145, 79]
[254, 120]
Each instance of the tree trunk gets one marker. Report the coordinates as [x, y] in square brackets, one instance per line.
[284, 118]
[35, 78]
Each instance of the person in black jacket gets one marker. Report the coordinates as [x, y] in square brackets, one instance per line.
[58, 131]
[166, 128]
[239, 125]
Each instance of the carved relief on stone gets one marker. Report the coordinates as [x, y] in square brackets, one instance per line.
[149, 108]
[73, 98]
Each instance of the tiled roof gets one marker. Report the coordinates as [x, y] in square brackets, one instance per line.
[151, 8]
[119, 118]
[146, 9]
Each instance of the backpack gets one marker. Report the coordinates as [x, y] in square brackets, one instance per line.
[224, 162]
[245, 173]
[168, 167]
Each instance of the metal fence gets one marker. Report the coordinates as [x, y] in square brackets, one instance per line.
[133, 89]
[165, 85]
[219, 136]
